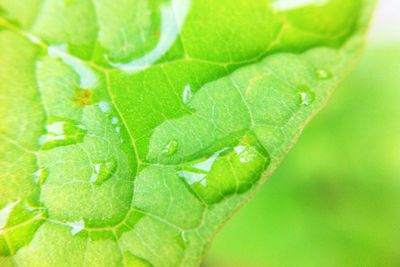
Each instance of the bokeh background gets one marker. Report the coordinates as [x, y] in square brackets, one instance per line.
[335, 200]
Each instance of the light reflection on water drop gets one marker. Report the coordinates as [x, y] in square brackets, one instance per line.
[199, 171]
[5, 213]
[33, 38]
[208, 163]
[104, 106]
[114, 120]
[187, 94]
[88, 78]
[192, 177]
[173, 15]
[226, 172]
[102, 171]
[246, 153]
[170, 148]
[76, 227]
[41, 175]
[324, 73]
[306, 96]
[61, 133]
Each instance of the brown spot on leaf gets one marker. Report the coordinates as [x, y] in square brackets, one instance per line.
[83, 97]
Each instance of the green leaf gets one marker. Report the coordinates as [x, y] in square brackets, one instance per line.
[132, 130]
[338, 209]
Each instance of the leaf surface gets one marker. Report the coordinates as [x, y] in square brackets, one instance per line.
[132, 130]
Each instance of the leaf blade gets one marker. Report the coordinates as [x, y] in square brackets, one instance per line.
[172, 168]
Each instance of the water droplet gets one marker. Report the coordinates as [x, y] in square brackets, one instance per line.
[246, 153]
[114, 120]
[33, 209]
[102, 171]
[232, 170]
[306, 96]
[170, 148]
[76, 227]
[173, 15]
[187, 94]
[57, 51]
[20, 220]
[5, 213]
[104, 106]
[88, 78]
[199, 171]
[41, 175]
[33, 38]
[324, 73]
[62, 133]
[193, 176]
[208, 163]
[118, 129]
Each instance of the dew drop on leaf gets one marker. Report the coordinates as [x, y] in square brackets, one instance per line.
[199, 171]
[193, 176]
[246, 153]
[228, 171]
[102, 171]
[114, 120]
[306, 96]
[41, 175]
[5, 213]
[76, 227]
[62, 132]
[34, 38]
[34, 209]
[88, 78]
[187, 94]
[104, 106]
[170, 148]
[324, 73]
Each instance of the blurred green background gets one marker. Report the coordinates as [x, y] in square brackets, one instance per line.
[335, 200]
